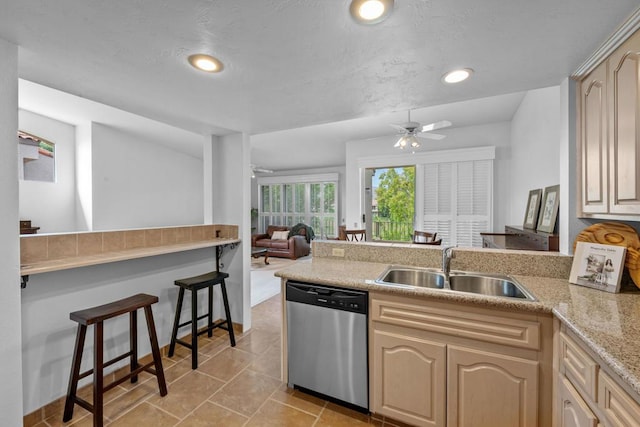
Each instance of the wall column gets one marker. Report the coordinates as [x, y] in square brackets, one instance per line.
[570, 225]
[210, 157]
[10, 301]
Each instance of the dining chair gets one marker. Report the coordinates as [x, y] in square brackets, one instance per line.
[356, 235]
[424, 237]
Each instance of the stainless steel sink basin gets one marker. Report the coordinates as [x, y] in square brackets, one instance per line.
[459, 281]
[410, 276]
[493, 285]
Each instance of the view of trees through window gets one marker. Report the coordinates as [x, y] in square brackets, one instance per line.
[393, 203]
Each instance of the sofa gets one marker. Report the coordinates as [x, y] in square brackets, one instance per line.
[292, 247]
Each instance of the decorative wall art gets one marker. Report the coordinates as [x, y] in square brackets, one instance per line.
[36, 158]
[533, 208]
[549, 209]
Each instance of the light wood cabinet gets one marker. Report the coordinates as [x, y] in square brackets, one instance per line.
[624, 130]
[609, 134]
[593, 116]
[410, 378]
[489, 389]
[573, 411]
[440, 364]
[586, 394]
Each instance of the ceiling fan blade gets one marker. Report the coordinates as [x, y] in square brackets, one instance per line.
[437, 125]
[399, 128]
[436, 136]
[256, 168]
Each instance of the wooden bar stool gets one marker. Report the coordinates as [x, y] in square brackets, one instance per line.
[96, 316]
[194, 284]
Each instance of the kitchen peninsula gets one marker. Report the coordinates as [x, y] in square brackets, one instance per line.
[72, 271]
[432, 340]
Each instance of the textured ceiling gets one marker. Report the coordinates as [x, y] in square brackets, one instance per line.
[296, 63]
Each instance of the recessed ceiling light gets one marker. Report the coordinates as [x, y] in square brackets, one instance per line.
[456, 76]
[205, 63]
[370, 11]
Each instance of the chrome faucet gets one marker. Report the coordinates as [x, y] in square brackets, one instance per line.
[447, 256]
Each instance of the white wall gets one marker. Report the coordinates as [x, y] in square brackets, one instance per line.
[84, 178]
[535, 149]
[137, 183]
[51, 205]
[10, 307]
[495, 134]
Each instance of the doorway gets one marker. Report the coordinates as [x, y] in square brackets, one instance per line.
[389, 203]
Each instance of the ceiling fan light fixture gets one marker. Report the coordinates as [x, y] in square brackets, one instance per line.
[206, 63]
[401, 143]
[370, 11]
[457, 76]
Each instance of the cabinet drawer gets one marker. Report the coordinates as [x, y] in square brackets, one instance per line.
[578, 366]
[619, 408]
[573, 411]
[489, 328]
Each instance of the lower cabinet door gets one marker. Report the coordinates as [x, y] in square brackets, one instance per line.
[572, 409]
[409, 379]
[489, 389]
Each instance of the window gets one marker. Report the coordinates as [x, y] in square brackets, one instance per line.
[453, 191]
[37, 158]
[292, 201]
[391, 205]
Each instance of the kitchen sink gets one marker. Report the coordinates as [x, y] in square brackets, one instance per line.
[497, 285]
[490, 284]
[412, 276]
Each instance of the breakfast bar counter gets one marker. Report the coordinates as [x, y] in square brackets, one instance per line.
[54, 252]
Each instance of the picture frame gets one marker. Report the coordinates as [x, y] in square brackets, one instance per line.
[549, 209]
[533, 209]
[598, 266]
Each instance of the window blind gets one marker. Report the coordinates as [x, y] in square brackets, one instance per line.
[457, 199]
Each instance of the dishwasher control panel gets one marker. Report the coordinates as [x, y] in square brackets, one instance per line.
[327, 296]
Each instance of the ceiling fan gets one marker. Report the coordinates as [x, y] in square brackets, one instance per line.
[255, 168]
[410, 132]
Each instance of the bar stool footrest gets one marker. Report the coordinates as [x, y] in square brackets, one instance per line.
[133, 373]
[83, 403]
[106, 364]
[184, 343]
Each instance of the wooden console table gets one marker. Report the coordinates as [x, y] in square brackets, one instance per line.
[515, 237]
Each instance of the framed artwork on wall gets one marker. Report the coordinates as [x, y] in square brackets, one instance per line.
[36, 158]
[549, 209]
[533, 208]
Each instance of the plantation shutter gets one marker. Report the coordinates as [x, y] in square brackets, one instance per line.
[457, 201]
[438, 209]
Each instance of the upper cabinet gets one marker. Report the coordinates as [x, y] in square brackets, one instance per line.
[609, 135]
[593, 117]
[624, 127]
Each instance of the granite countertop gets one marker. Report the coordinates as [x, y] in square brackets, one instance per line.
[606, 322]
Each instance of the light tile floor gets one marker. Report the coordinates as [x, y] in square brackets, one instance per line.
[237, 386]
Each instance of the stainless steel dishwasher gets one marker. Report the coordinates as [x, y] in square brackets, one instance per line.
[327, 341]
